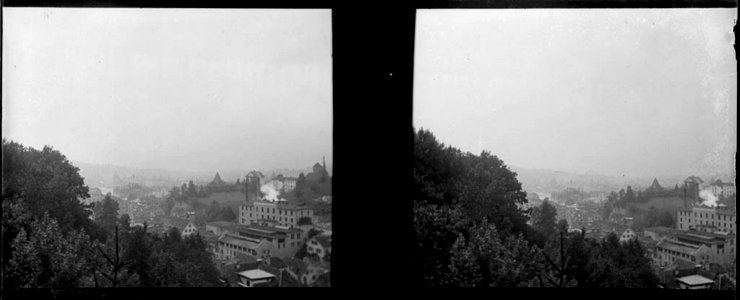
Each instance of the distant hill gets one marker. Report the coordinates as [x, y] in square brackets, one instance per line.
[107, 175]
[540, 180]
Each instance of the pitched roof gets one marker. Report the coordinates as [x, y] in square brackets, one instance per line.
[694, 179]
[222, 224]
[245, 242]
[325, 241]
[217, 180]
[656, 185]
[242, 258]
[680, 246]
[661, 230]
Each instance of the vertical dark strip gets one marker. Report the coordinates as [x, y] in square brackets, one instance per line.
[373, 84]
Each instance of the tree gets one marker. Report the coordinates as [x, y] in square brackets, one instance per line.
[436, 229]
[106, 213]
[629, 195]
[125, 223]
[45, 182]
[192, 192]
[138, 252]
[44, 256]
[228, 214]
[543, 219]
[464, 268]
[214, 211]
[563, 226]
[300, 182]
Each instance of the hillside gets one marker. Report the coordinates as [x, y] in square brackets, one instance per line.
[539, 180]
[670, 204]
[231, 199]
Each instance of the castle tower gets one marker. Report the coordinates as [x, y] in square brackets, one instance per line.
[252, 185]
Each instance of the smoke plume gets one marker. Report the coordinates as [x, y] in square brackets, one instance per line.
[270, 193]
[709, 198]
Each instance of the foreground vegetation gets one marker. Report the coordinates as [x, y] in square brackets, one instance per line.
[51, 241]
[470, 230]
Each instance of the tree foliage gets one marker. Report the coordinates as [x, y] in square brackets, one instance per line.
[47, 233]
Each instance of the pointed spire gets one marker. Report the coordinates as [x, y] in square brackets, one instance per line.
[324, 159]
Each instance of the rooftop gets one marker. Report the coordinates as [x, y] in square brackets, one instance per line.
[222, 224]
[660, 229]
[679, 246]
[240, 241]
[695, 280]
[269, 229]
[256, 274]
[325, 241]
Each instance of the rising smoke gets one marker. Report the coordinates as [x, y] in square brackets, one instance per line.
[709, 198]
[270, 193]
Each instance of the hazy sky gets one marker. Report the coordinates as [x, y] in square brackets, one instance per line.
[636, 92]
[184, 89]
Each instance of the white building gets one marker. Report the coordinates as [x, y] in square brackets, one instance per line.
[319, 245]
[724, 189]
[255, 278]
[703, 217]
[189, 229]
[275, 213]
[694, 282]
[627, 235]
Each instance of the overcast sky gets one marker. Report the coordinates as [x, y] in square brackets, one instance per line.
[183, 89]
[621, 91]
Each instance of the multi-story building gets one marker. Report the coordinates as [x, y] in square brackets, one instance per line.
[283, 184]
[707, 219]
[279, 213]
[723, 189]
[721, 245]
[669, 251]
[260, 241]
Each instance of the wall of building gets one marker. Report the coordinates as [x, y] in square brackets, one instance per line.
[699, 216]
[284, 215]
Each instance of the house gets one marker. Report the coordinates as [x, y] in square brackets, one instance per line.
[255, 278]
[189, 229]
[694, 282]
[313, 272]
[319, 245]
[627, 235]
[175, 222]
